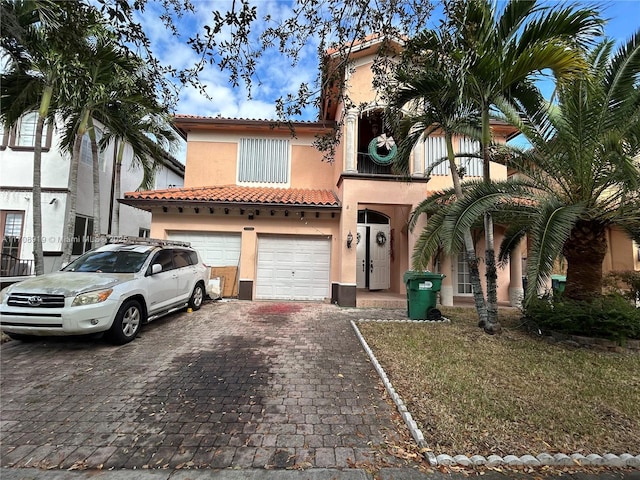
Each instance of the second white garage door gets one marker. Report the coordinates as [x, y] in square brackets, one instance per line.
[293, 268]
[216, 249]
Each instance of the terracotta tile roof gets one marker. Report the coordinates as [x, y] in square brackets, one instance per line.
[229, 194]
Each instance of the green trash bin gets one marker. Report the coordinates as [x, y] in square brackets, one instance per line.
[558, 282]
[422, 292]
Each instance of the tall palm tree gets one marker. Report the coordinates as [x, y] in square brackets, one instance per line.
[581, 174]
[37, 42]
[496, 55]
[428, 102]
[109, 73]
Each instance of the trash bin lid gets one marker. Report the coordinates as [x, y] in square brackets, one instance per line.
[421, 275]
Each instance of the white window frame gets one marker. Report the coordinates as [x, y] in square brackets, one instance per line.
[462, 269]
[252, 169]
[24, 140]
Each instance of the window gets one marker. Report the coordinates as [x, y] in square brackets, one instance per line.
[144, 232]
[464, 276]
[164, 258]
[472, 165]
[263, 160]
[4, 136]
[82, 235]
[25, 133]
[86, 156]
[11, 240]
[11, 232]
[435, 150]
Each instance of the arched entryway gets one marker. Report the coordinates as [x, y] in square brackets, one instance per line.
[373, 250]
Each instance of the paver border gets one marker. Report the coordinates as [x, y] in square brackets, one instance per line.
[543, 459]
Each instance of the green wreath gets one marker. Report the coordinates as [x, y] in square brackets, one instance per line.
[381, 238]
[382, 159]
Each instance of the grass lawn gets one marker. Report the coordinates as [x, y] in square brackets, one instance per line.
[471, 393]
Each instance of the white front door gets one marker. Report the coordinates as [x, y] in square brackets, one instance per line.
[379, 257]
[361, 257]
[373, 257]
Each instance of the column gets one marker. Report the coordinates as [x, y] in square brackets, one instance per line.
[350, 164]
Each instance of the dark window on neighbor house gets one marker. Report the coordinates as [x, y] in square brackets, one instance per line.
[144, 232]
[24, 133]
[82, 235]
[263, 160]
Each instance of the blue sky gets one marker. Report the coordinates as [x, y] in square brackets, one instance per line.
[275, 75]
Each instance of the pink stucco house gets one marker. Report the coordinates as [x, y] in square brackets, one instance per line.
[299, 227]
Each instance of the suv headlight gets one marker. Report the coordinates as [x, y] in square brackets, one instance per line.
[91, 297]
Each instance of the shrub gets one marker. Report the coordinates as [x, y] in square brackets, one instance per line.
[611, 317]
[624, 282]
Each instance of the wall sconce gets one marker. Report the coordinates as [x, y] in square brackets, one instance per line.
[53, 200]
[349, 239]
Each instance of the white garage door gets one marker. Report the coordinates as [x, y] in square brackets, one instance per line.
[293, 268]
[216, 249]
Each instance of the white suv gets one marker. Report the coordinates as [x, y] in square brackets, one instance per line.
[114, 289]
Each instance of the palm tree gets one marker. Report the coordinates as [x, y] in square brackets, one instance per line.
[36, 41]
[428, 102]
[141, 123]
[110, 74]
[581, 174]
[495, 56]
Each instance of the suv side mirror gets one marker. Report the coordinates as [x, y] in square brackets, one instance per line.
[156, 268]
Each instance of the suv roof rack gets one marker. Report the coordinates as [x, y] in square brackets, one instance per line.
[158, 242]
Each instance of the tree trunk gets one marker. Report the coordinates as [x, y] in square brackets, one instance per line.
[70, 212]
[116, 191]
[38, 254]
[97, 225]
[492, 325]
[585, 251]
[470, 250]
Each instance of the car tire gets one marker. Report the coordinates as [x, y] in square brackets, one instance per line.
[197, 297]
[127, 323]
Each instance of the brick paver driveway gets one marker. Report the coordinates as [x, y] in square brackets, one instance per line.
[241, 384]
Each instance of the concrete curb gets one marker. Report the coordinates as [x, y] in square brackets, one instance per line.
[543, 459]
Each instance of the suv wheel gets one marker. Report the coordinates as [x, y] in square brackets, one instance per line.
[195, 302]
[127, 323]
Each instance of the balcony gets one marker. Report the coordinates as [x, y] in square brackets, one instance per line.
[13, 269]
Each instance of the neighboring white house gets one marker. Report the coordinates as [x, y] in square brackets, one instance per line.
[16, 192]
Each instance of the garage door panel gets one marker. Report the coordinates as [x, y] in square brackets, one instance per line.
[218, 249]
[293, 268]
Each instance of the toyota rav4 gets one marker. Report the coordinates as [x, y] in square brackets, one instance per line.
[113, 289]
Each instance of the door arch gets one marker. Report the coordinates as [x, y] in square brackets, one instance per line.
[373, 254]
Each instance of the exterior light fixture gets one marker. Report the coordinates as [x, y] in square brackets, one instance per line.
[349, 239]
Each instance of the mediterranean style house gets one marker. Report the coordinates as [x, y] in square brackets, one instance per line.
[16, 189]
[267, 207]
[295, 226]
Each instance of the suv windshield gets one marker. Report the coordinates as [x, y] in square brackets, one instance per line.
[108, 262]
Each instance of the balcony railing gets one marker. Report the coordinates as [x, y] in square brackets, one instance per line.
[11, 266]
